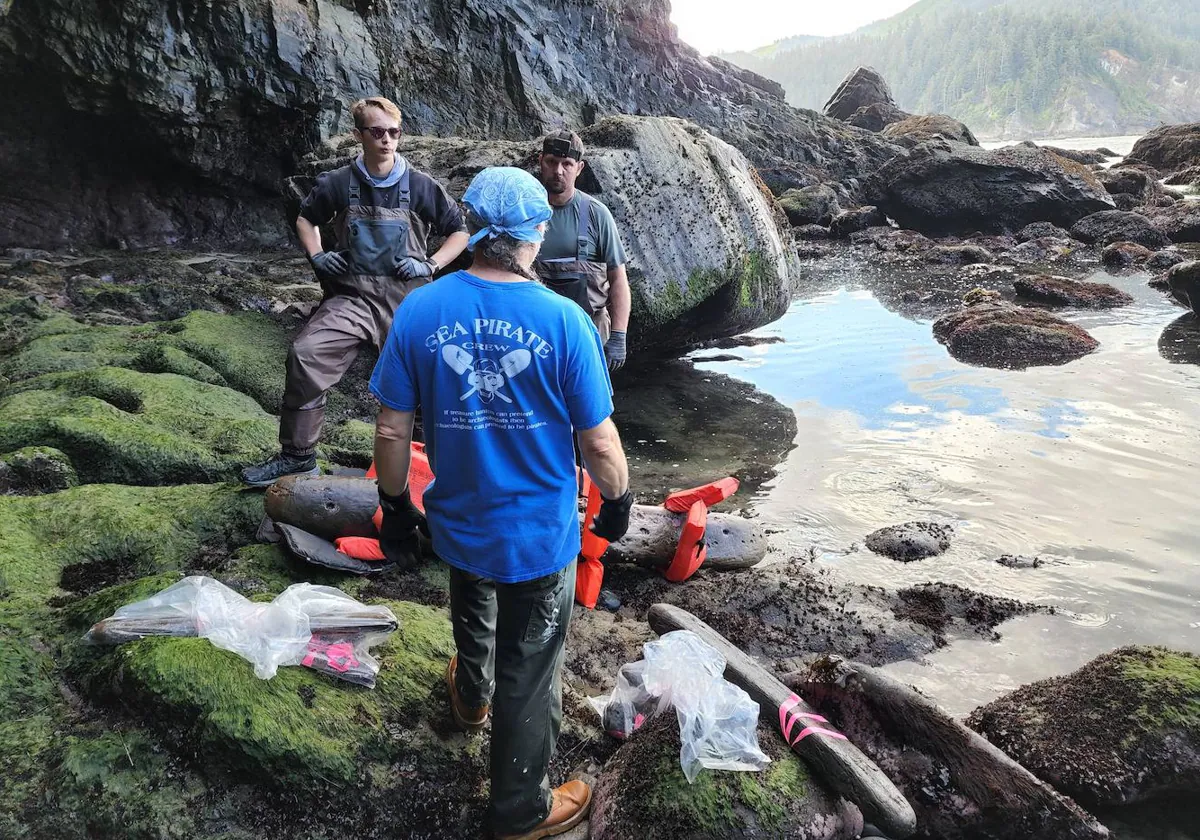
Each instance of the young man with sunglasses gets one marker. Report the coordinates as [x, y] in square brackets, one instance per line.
[383, 212]
[582, 257]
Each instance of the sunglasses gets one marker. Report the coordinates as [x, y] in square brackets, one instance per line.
[379, 133]
[560, 148]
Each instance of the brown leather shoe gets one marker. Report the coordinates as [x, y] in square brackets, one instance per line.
[569, 804]
[466, 717]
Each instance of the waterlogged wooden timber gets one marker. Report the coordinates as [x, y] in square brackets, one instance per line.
[117, 630]
[339, 506]
[839, 763]
[963, 786]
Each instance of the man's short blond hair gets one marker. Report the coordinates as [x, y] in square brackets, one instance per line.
[386, 105]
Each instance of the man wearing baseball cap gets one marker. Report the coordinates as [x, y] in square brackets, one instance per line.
[582, 257]
[506, 374]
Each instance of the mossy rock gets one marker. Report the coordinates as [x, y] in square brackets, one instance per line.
[246, 351]
[351, 443]
[33, 470]
[101, 534]
[1123, 729]
[644, 795]
[298, 728]
[119, 425]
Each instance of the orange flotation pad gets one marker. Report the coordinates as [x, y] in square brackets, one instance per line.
[710, 494]
[691, 552]
[589, 572]
[360, 548]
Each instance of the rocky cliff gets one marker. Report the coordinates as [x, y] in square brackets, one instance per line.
[175, 122]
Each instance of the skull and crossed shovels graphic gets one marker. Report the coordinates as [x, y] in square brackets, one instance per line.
[485, 376]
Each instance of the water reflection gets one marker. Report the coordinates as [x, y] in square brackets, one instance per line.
[1090, 466]
[1180, 341]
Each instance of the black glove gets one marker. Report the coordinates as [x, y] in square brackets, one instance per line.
[411, 268]
[612, 521]
[614, 350]
[329, 264]
[398, 533]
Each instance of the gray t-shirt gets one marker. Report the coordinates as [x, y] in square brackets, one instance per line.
[562, 235]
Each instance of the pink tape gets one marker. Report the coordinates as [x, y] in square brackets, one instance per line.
[788, 718]
[816, 730]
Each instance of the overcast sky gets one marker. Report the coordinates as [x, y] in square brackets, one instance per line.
[714, 25]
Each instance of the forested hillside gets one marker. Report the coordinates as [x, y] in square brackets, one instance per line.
[1014, 68]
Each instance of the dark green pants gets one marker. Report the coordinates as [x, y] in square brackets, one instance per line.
[510, 652]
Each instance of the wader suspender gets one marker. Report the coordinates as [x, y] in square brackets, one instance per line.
[585, 220]
[401, 202]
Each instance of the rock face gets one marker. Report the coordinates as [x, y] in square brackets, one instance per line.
[1004, 336]
[1109, 226]
[911, 541]
[195, 116]
[1065, 729]
[1169, 148]
[929, 127]
[940, 189]
[1063, 291]
[694, 275]
[864, 87]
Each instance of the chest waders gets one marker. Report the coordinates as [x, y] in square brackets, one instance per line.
[583, 281]
[357, 308]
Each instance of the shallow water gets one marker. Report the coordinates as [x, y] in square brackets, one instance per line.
[1122, 145]
[1091, 466]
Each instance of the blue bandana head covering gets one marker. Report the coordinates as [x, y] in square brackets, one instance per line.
[507, 200]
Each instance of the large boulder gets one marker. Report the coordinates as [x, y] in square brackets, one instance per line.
[995, 334]
[940, 188]
[1169, 148]
[863, 87]
[1128, 181]
[877, 116]
[1125, 254]
[1124, 728]
[1180, 222]
[1063, 291]
[195, 119]
[815, 205]
[929, 127]
[1183, 281]
[1109, 226]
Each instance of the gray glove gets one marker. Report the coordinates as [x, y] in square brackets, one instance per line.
[614, 350]
[328, 264]
[411, 268]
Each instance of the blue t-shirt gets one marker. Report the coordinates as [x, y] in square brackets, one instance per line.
[504, 374]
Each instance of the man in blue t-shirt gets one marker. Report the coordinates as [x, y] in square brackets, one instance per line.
[506, 372]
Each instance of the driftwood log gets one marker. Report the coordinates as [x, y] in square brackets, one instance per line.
[839, 763]
[963, 786]
[339, 506]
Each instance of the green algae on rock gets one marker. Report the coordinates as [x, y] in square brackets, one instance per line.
[111, 533]
[643, 794]
[33, 470]
[1125, 728]
[297, 727]
[119, 425]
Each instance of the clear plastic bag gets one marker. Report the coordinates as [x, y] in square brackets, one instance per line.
[318, 627]
[718, 722]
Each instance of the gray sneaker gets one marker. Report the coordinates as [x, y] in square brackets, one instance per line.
[268, 472]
